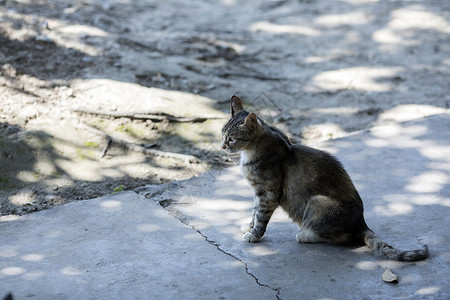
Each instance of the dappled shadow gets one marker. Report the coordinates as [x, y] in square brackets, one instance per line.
[39, 170]
[348, 74]
[345, 64]
[57, 47]
[326, 37]
[325, 69]
[44, 60]
[354, 59]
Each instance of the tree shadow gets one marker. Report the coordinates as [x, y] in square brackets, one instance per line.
[347, 64]
[349, 70]
[37, 172]
[43, 59]
[345, 26]
[351, 61]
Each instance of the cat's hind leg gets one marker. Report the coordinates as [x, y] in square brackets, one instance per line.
[308, 236]
[314, 220]
[324, 220]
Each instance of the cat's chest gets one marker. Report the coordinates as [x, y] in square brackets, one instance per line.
[250, 174]
[245, 169]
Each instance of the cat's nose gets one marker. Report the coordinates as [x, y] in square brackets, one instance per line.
[224, 146]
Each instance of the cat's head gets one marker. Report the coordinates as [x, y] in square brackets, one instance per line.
[241, 130]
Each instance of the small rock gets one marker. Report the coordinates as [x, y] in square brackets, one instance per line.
[151, 145]
[210, 87]
[159, 79]
[12, 129]
[86, 59]
[69, 92]
[49, 197]
[389, 276]
[43, 38]
[44, 25]
[106, 6]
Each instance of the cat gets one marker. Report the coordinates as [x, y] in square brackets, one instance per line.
[309, 184]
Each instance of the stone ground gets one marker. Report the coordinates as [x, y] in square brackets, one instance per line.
[74, 75]
[318, 69]
[182, 240]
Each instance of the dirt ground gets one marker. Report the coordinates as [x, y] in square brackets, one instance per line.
[74, 75]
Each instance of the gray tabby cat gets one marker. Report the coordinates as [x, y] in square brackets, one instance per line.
[309, 184]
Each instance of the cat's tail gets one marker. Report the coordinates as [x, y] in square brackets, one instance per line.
[381, 248]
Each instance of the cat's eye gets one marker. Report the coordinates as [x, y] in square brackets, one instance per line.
[231, 140]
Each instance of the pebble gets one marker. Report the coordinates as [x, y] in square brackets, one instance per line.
[50, 197]
[106, 6]
[43, 38]
[69, 92]
[44, 25]
[86, 59]
[159, 79]
[12, 129]
[389, 276]
[151, 145]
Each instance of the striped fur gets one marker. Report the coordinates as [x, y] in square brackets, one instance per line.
[309, 184]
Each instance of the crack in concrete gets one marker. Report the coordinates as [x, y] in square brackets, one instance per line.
[277, 290]
[166, 204]
[177, 215]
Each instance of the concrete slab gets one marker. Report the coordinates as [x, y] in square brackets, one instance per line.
[121, 246]
[403, 174]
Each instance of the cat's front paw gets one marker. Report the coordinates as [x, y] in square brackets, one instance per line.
[246, 228]
[249, 237]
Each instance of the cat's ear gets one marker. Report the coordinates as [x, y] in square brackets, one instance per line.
[236, 105]
[251, 121]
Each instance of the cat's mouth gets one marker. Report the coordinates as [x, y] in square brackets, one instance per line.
[228, 150]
